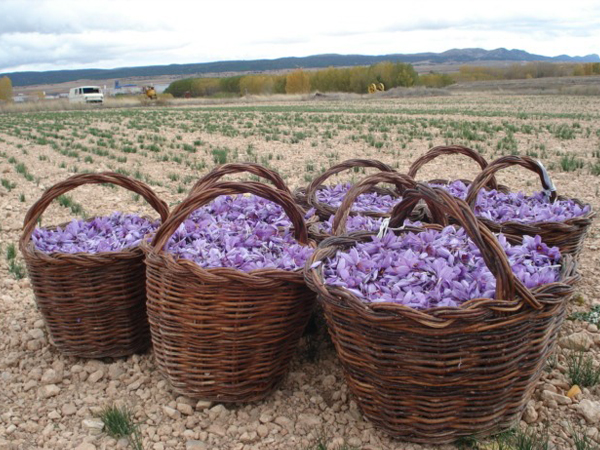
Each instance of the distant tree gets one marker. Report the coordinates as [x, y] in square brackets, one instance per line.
[6, 90]
[180, 87]
[297, 82]
[256, 85]
[205, 87]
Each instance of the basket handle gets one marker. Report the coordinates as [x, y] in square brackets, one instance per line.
[507, 161]
[311, 190]
[492, 252]
[38, 208]
[401, 181]
[214, 190]
[451, 150]
[253, 168]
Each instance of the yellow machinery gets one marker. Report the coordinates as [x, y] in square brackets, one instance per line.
[376, 87]
[150, 92]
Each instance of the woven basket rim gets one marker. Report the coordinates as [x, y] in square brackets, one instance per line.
[435, 317]
[132, 252]
[223, 272]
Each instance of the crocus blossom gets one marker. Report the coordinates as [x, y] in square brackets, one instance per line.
[101, 234]
[243, 232]
[434, 268]
[500, 207]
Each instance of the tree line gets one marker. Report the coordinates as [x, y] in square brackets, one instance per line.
[352, 79]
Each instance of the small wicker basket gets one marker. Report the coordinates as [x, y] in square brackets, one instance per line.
[94, 305]
[219, 333]
[569, 235]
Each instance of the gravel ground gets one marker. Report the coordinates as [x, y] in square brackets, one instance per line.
[50, 401]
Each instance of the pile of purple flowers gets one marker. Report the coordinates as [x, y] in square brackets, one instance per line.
[102, 234]
[243, 232]
[500, 207]
[434, 268]
[354, 223]
[370, 201]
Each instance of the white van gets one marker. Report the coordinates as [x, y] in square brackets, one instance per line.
[86, 94]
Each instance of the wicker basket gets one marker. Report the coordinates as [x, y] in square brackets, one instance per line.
[219, 333]
[307, 197]
[256, 169]
[569, 235]
[443, 150]
[94, 305]
[433, 376]
[402, 182]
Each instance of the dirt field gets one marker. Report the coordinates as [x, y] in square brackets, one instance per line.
[47, 400]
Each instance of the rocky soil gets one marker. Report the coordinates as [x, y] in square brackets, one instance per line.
[49, 401]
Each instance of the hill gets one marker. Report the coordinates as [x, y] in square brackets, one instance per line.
[466, 55]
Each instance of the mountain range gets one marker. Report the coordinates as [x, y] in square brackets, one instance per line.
[464, 55]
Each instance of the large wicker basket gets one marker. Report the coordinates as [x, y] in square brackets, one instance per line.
[307, 197]
[446, 150]
[569, 235]
[219, 333]
[433, 376]
[94, 305]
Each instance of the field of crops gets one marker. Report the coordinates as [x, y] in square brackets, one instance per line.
[52, 401]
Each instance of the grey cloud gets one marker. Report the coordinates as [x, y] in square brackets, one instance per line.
[65, 18]
[66, 50]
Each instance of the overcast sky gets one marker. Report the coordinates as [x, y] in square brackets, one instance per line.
[65, 34]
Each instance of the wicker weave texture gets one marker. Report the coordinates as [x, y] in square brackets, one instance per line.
[219, 333]
[569, 235]
[94, 305]
[445, 150]
[433, 376]
[307, 198]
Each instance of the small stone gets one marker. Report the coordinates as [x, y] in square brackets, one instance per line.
[94, 426]
[262, 430]
[309, 421]
[354, 442]
[284, 422]
[549, 396]
[215, 428]
[51, 377]
[86, 446]
[574, 392]
[69, 409]
[185, 408]
[195, 445]
[54, 415]
[96, 376]
[36, 333]
[203, 404]
[29, 385]
[171, 412]
[329, 381]
[590, 411]
[115, 371]
[248, 436]
[530, 415]
[50, 390]
[581, 341]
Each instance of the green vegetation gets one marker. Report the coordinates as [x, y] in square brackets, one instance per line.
[591, 316]
[68, 202]
[570, 163]
[355, 79]
[119, 423]
[14, 267]
[581, 370]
